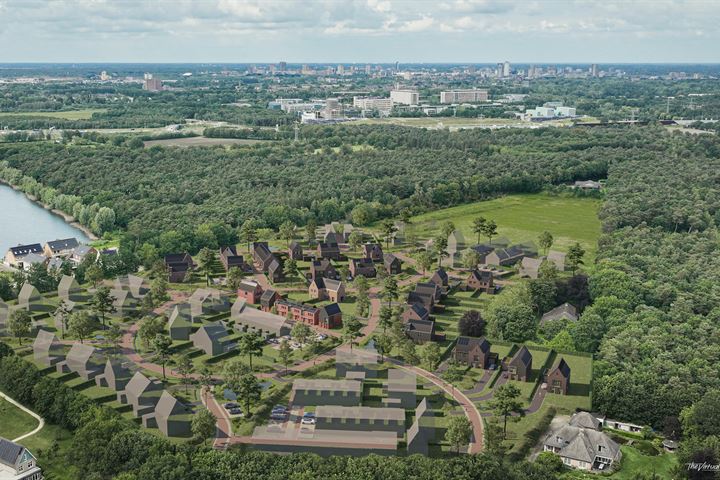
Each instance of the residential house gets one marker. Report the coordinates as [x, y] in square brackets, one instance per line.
[362, 266]
[472, 351]
[373, 251]
[565, 311]
[171, 417]
[558, 378]
[250, 291]
[330, 251]
[295, 251]
[483, 250]
[583, 448]
[505, 256]
[115, 376]
[357, 418]
[180, 323]
[137, 286]
[68, 289]
[481, 280]
[142, 393]
[124, 303]
[530, 267]
[268, 299]
[212, 339]
[230, 258]
[17, 463]
[519, 367]
[16, 257]
[455, 247]
[262, 256]
[60, 248]
[47, 349]
[208, 301]
[330, 316]
[323, 268]
[336, 233]
[393, 265]
[179, 266]
[586, 420]
[558, 258]
[327, 289]
[430, 289]
[422, 430]
[84, 360]
[401, 389]
[415, 311]
[425, 300]
[80, 253]
[326, 392]
[440, 278]
[29, 298]
[420, 331]
[264, 323]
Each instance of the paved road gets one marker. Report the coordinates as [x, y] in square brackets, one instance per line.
[41, 421]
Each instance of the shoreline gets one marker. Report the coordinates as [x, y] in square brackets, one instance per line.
[69, 219]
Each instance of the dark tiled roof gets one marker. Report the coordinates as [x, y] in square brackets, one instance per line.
[426, 326]
[246, 287]
[64, 244]
[468, 343]
[267, 295]
[419, 310]
[523, 355]
[332, 309]
[563, 367]
[9, 452]
[483, 249]
[21, 250]
[482, 275]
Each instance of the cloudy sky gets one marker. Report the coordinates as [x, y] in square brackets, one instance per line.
[359, 30]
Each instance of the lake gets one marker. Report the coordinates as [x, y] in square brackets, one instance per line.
[23, 221]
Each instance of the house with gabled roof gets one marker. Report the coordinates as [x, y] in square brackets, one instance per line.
[360, 360]
[250, 291]
[481, 280]
[137, 286]
[558, 377]
[530, 267]
[583, 448]
[180, 323]
[275, 271]
[422, 430]
[330, 251]
[424, 300]
[47, 349]
[505, 256]
[62, 247]
[327, 289]
[16, 257]
[455, 246]
[323, 268]
[326, 392]
[69, 289]
[330, 316]
[400, 389]
[295, 251]
[483, 250]
[213, 339]
[473, 351]
[430, 289]
[420, 331]
[565, 311]
[125, 304]
[362, 266]
[80, 253]
[264, 323]
[557, 258]
[171, 417]
[84, 360]
[393, 264]
[17, 463]
[519, 367]
[268, 299]
[230, 258]
[440, 278]
[29, 298]
[142, 393]
[115, 376]
[179, 266]
[262, 256]
[207, 301]
[415, 311]
[373, 251]
[585, 420]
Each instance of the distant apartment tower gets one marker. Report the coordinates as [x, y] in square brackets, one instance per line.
[506, 69]
[594, 70]
[405, 96]
[368, 69]
[468, 95]
[282, 66]
[333, 109]
[383, 105]
[341, 69]
[152, 84]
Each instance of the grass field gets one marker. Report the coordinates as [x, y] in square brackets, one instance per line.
[201, 142]
[13, 421]
[634, 462]
[67, 115]
[50, 446]
[521, 218]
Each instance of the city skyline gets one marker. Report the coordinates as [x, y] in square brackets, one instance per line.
[359, 31]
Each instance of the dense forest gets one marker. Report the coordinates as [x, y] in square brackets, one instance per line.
[355, 172]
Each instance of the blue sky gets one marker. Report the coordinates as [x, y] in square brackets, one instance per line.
[297, 31]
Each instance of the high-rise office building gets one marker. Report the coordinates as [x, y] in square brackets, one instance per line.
[405, 96]
[468, 95]
[506, 69]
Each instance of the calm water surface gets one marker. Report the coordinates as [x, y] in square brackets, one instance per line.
[23, 221]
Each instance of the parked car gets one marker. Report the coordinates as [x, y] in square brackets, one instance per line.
[308, 419]
[236, 411]
[282, 408]
[230, 405]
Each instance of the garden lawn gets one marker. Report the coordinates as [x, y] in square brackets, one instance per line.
[522, 218]
[13, 421]
[633, 463]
